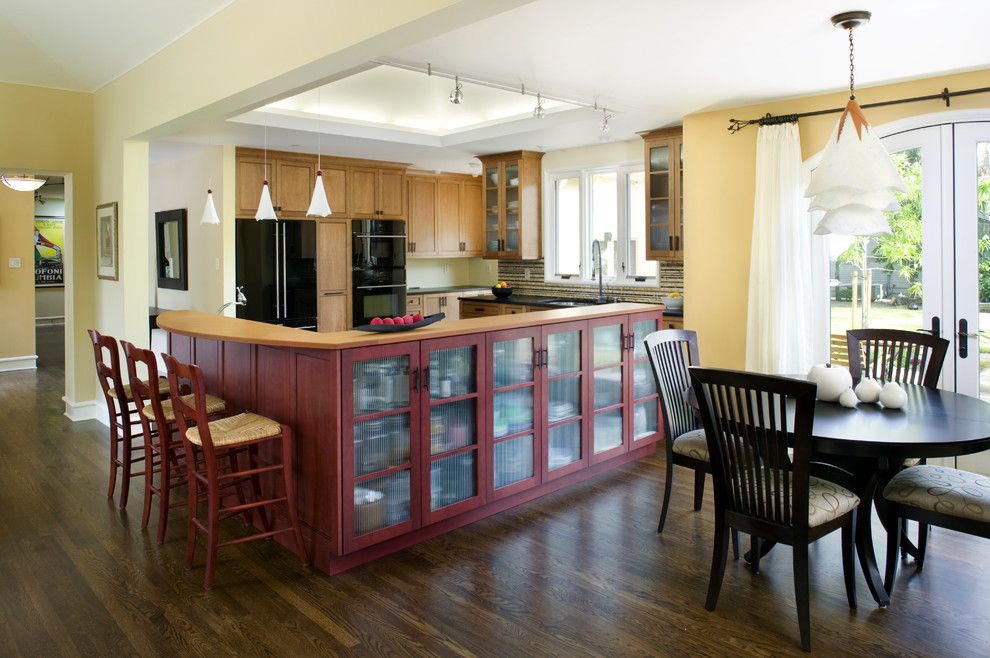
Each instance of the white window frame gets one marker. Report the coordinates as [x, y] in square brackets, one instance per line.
[584, 176]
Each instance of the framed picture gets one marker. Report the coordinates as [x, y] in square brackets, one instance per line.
[170, 226]
[106, 241]
[49, 241]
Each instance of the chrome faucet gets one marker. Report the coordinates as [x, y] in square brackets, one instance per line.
[596, 246]
[241, 300]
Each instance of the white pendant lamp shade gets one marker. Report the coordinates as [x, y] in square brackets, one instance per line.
[265, 208]
[319, 206]
[855, 183]
[22, 183]
[210, 215]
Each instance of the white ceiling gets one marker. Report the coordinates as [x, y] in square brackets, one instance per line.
[84, 44]
[653, 60]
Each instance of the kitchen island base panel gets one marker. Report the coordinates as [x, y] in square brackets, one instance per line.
[304, 387]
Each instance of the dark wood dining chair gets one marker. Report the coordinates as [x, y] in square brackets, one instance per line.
[223, 440]
[122, 415]
[671, 353]
[161, 442]
[750, 421]
[934, 495]
[905, 357]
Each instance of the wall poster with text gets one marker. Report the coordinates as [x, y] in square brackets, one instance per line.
[49, 243]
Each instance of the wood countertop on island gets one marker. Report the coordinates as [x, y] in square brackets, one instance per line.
[205, 325]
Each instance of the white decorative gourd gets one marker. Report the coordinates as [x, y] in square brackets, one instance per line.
[868, 390]
[848, 399]
[892, 396]
[831, 380]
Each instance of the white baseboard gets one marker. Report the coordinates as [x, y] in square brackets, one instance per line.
[10, 363]
[92, 410]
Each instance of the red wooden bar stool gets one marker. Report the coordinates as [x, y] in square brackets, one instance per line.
[161, 441]
[121, 412]
[217, 439]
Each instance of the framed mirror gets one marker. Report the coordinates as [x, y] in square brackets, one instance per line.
[170, 227]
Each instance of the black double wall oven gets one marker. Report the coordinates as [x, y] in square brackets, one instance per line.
[379, 268]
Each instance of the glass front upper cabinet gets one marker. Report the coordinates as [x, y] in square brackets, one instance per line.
[664, 165]
[512, 209]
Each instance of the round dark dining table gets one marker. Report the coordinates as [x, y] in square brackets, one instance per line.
[870, 443]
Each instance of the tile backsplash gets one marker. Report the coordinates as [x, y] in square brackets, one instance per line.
[514, 271]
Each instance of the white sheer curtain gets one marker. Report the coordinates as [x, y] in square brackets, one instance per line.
[787, 324]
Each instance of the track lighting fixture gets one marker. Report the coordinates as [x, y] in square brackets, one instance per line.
[457, 95]
[538, 111]
[605, 117]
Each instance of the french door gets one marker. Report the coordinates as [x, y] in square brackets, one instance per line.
[953, 162]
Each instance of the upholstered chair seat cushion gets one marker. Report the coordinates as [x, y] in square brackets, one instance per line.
[162, 389]
[911, 461]
[214, 405]
[827, 501]
[941, 489]
[242, 428]
[692, 444]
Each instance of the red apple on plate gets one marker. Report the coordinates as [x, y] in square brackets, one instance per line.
[398, 320]
[407, 319]
[417, 317]
[376, 321]
[388, 321]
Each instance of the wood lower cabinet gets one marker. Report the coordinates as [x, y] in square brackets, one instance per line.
[471, 309]
[673, 322]
[333, 274]
[333, 311]
[446, 303]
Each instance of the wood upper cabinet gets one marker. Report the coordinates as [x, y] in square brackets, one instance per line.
[251, 173]
[335, 185]
[444, 215]
[511, 205]
[291, 177]
[294, 191]
[377, 193]
[333, 258]
[663, 152]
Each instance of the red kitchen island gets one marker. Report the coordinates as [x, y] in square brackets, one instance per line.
[401, 437]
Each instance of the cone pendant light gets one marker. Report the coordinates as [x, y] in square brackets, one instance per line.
[318, 205]
[266, 210]
[855, 183]
[210, 215]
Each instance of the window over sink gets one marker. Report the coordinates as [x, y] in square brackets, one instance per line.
[601, 203]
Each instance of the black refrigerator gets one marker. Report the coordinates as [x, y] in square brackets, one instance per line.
[276, 265]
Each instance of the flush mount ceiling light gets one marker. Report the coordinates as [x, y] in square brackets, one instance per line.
[855, 183]
[538, 111]
[22, 183]
[318, 205]
[266, 211]
[457, 95]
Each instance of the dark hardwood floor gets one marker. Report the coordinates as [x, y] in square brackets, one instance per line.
[581, 572]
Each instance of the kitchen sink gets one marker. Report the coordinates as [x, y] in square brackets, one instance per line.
[574, 302]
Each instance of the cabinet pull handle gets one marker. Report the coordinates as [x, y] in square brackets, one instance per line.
[416, 380]
[537, 359]
[546, 357]
[670, 243]
[426, 378]
[462, 246]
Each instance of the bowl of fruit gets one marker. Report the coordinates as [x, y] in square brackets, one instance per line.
[673, 301]
[502, 289]
[400, 323]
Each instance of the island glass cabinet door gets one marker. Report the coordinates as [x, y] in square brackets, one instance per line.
[643, 387]
[380, 451]
[453, 417]
[565, 411]
[610, 395]
[514, 418]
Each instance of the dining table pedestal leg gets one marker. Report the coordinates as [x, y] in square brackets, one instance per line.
[870, 476]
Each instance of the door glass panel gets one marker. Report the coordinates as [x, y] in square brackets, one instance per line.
[607, 345]
[511, 176]
[381, 502]
[608, 387]
[512, 238]
[659, 158]
[642, 329]
[563, 353]
[452, 372]
[513, 411]
[877, 281]
[381, 443]
[608, 430]
[452, 426]
[513, 362]
[513, 460]
[983, 265]
[645, 419]
[643, 382]
[381, 384]
[568, 207]
[452, 479]
[563, 445]
[564, 399]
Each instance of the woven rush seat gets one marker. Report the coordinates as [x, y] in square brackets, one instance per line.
[944, 490]
[692, 444]
[214, 405]
[162, 389]
[242, 428]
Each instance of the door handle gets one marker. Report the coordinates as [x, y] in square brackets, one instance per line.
[964, 335]
[936, 329]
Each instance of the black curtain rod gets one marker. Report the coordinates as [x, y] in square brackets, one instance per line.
[735, 125]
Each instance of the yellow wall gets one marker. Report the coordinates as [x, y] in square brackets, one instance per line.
[16, 284]
[51, 131]
[719, 186]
